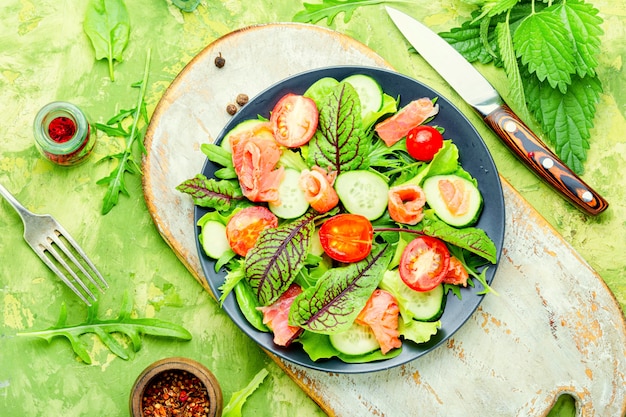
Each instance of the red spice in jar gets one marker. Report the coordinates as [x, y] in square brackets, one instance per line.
[175, 393]
[61, 129]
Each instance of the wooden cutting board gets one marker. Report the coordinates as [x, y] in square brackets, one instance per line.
[554, 329]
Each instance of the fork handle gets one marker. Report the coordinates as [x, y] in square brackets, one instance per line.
[21, 210]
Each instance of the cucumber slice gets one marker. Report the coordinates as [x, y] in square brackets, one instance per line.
[292, 201]
[369, 90]
[363, 192]
[357, 340]
[415, 305]
[213, 239]
[249, 124]
[456, 200]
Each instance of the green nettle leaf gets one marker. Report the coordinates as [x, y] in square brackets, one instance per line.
[509, 60]
[108, 27]
[495, 7]
[125, 324]
[209, 192]
[277, 257]
[470, 41]
[583, 23]
[566, 117]
[542, 43]
[340, 143]
[340, 294]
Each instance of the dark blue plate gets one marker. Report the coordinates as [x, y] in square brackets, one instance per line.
[475, 158]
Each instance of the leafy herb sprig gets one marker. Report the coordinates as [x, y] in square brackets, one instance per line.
[133, 328]
[107, 25]
[126, 161]
[548, 53]
[329, 9]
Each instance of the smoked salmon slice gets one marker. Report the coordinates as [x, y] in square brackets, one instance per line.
[317, 185]
[381, 314]
[406, 203]
[456, 196]
[276, 317]
[413, 114]
[255, 155]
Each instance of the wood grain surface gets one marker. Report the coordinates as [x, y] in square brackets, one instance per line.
[554, 328]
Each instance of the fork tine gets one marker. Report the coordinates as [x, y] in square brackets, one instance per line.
[84, 257]
[62, 276]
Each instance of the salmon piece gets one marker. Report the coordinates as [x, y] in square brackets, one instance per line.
[318, 189]
[413, 114]
[255, 155]
[381, 314]
[456, 196]
[457, 274]
[276, 317]
[406, 203]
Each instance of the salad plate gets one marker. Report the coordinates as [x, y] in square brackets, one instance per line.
[475, 159]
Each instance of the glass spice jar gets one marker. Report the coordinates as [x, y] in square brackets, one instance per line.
[63, 134]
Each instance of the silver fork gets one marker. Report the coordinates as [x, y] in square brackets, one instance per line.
[44, 234]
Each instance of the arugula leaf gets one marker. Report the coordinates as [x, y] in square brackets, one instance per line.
[542, 43]
[275, 260]
[133, 328]
[329, 9]
[220, 195]
[238, 399]
[108, 27]
[339, 144]
[126, 162]
[472, 263]
[340, 294]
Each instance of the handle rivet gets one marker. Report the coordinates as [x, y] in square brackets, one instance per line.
[587, 197]
[510, 126]
[547, 163]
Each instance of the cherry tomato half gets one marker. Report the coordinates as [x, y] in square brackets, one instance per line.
[423, 142]
[294, 120]
[243, 229]
[424, 263]
[347, 237]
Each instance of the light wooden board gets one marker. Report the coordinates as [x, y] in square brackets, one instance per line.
[554, 328]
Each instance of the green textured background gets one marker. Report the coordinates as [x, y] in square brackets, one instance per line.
[45, 56]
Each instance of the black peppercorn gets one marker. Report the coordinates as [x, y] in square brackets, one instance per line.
[231, 109]
[242, 99]
[220, 61]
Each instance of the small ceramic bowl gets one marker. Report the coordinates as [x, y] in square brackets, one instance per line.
[176, 383]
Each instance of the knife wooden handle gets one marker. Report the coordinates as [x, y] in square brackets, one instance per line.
[534, 153]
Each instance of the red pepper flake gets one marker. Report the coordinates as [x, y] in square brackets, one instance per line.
[175, 393]
[61, 129]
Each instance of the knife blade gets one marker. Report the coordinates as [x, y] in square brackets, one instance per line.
[472, 87]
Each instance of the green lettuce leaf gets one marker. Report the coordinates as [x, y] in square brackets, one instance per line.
[238, 399]
[340, 142]
[318, 347]
[340, 295]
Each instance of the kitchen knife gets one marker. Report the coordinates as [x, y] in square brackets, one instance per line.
[480, 94]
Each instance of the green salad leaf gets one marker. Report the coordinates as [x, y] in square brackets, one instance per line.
[340, 144]
[220, 195]
[318, 347]
[238, 399]
[125, 324]
[278, 255]
[108, 27]
[340, 294]
[329, 9]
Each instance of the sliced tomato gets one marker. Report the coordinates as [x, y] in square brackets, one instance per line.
[413, 114]
[244, 228]
[424, 263]
[457, 274]
[423, 142]
[255, 155]
[381, 315]
[347, 237]
[318, 189]
[406, 203]
[276, 317]
[294, 120]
